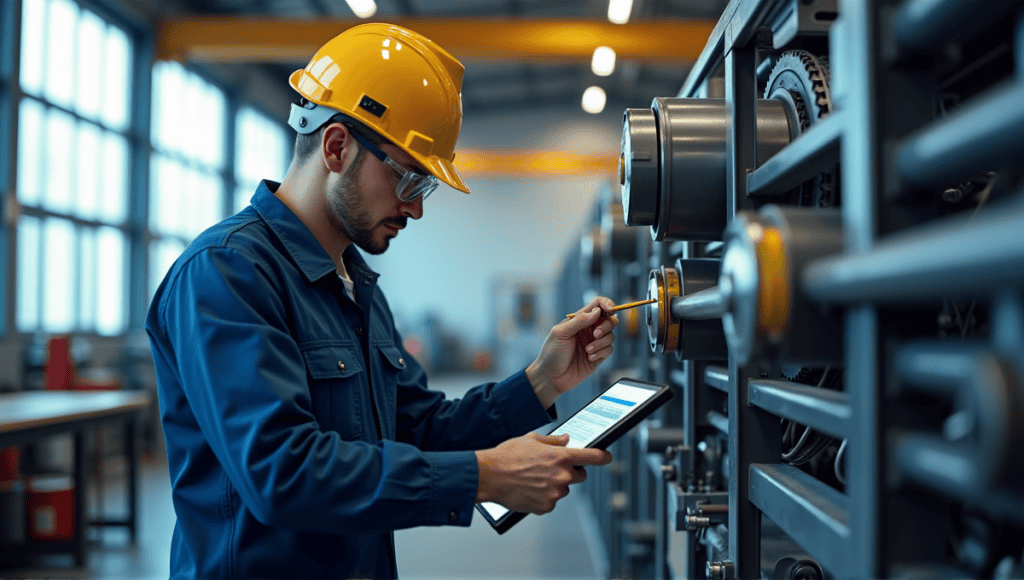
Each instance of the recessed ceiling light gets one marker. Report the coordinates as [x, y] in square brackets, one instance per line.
[603, 62]
[593, 100]
[363, 8]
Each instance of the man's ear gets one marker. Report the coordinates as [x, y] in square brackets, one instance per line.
[334, 147]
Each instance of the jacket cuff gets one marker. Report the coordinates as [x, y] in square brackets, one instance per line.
[454, 477]
[519, 405]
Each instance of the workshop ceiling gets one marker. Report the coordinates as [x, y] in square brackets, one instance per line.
[666, 36]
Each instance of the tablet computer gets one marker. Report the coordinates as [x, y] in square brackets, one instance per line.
[598, 424]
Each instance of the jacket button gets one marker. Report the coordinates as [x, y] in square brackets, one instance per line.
[401, 361]
[341, 366]
[453, 516]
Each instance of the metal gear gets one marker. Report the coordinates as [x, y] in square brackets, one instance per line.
[800, 80]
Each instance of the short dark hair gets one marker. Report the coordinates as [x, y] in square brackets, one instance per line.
[307, 145]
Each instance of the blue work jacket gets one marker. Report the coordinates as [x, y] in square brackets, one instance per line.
[299, 432]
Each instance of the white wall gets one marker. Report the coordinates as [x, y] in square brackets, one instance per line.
[449, 261]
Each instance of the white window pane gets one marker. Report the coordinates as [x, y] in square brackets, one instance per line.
[90, 80]
[114, 179]
[166, 192]
[87, 180]
[29, 285]
[60, 52]
[33, 23]
[58, 275]
[60, 136]
[118, 67]
[110, 288]
[168, 108]
[162, 255]
[214, 111]
[87, 286]
[30, 153]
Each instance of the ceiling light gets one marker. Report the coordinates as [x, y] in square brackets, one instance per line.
[593, 100]
[367, 8]
[603, 62]
[618, 11]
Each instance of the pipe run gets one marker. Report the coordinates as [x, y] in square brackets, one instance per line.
[923, 25]
[949, 257]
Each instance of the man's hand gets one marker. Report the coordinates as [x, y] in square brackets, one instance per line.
[532, 472]
[573, 350]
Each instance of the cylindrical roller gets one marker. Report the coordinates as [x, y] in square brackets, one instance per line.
[662, 328]
[700, 339]
[620, 240]
[638, 167]
[673, 164]
[767, 310]
[590, 252]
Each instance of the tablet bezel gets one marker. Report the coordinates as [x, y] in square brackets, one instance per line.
[662, 394]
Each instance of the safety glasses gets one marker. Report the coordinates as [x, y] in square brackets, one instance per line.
[411, 184]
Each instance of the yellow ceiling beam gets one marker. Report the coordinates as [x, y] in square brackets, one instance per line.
[237, 39]
[545, 164]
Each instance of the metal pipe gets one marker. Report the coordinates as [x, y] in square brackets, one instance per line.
[922, 25]
[718, 421]
[986, 390]
[949, 257]
[981, 135]
[707, 304]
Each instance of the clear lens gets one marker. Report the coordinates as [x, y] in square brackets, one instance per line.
[412, 184]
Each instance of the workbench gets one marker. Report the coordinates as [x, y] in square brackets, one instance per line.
[26, 417]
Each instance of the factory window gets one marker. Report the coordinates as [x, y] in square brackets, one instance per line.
[186, 183]
[261, 152]
[72, 184]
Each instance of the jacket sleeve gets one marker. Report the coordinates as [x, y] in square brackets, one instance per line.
[484, 417]
[246, 385]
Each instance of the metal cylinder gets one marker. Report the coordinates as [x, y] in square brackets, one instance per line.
[620, 243]
[922, 25]
[690, 339]
[707, 304]
[951, 257]
[981, 135]
[672, 166]
[768, 313]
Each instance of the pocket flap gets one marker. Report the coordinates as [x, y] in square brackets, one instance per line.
[393, 356]
[332, 362]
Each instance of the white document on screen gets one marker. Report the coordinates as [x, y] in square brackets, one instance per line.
[591, 422]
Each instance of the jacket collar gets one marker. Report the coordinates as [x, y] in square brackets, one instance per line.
[305, 250]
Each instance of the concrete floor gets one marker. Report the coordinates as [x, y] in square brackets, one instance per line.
[540, 547]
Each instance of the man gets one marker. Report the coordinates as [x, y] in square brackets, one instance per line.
[299, 432]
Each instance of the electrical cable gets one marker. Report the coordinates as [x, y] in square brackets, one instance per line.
[839, 460]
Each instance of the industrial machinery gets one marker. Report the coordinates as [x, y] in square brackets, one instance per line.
[829, 215]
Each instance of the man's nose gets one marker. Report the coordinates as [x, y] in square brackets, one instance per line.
[413, 209]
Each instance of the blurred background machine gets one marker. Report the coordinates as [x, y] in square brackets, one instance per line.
[828, 213]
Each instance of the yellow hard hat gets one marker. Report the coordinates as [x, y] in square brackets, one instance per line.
[396, 82]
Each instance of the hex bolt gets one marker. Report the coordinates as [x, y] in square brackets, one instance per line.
[720, 570]
[694, 522]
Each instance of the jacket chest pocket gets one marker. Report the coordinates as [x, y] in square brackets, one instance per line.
[335, 388]
[392, 365]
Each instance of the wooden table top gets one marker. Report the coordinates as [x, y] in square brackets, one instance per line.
[29, 409]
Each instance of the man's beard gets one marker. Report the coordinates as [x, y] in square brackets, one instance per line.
[348, 215]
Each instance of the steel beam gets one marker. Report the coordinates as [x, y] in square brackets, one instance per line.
[810, 154]
[717, 377]
[815, 515]
[823, 410]
[234, 39]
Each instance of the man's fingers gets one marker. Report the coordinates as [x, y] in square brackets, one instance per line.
[588, 456]
[559, 440]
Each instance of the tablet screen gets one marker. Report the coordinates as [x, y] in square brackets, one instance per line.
[591, 422]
